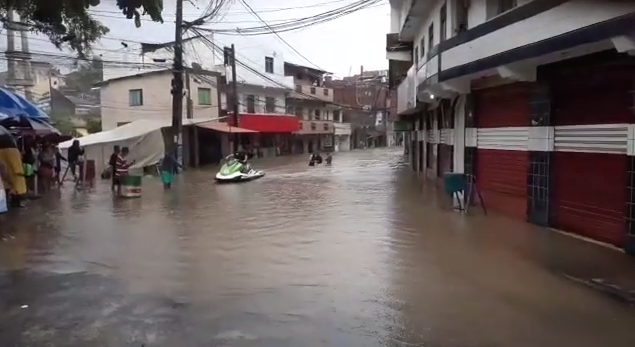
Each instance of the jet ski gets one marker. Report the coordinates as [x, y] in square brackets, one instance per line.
[233, 171]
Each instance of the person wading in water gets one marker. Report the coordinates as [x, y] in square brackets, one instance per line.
[122, 167]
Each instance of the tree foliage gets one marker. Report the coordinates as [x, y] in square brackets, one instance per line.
[93, 126]
[63, 124]
[67, 23]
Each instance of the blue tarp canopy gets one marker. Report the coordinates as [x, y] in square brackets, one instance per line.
[15, 105]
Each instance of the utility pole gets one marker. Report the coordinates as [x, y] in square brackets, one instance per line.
[230, 59]
[177, 82]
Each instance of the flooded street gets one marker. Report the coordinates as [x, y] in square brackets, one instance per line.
[350, 255]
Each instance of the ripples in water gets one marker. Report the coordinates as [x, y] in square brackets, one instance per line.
[355, 254]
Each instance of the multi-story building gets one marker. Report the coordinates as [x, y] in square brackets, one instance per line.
[532, 97]
[312, 103]
[147, 96]
[260, 82]
[366, 98]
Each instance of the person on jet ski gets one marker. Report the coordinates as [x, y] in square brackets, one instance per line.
[242, 156]
[315, 158]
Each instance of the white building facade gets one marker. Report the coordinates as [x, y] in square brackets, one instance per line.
[261, 85]
[534, 98]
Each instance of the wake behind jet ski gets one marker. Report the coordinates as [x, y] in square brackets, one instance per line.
[237, 169]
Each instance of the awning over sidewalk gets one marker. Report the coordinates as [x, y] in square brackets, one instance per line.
[224, 128]
[269, 123]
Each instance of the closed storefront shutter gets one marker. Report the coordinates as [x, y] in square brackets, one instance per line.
[589, 194]
[502, 174]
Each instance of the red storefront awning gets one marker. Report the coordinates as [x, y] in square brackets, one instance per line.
[224, 128]
[269, 123]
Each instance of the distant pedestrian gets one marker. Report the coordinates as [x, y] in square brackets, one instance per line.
[122, 167]
[169, 166]
[113, 166]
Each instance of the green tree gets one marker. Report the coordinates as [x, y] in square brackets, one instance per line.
[93, 126]
[67, 23]
[63, 124]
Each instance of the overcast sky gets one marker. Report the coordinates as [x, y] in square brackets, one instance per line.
[339, 46]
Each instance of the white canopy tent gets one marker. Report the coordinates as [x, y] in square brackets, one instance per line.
[143, 137]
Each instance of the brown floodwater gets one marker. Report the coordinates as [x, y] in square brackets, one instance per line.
[355, 254]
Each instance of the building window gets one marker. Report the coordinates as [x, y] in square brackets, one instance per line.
[290, 110]
[461, 16]
[301, 126]
[316, 114]
[431, 36]
[298, 88]
[135, 97]
[299, 112]
[313, 126]
[313, 90]
[251, 104]
[204, 96]
[506, 5]
[270, 104]
[422, 46]
[336, 115]
[326, 92]
[443, 23]
[326, 126]
[268, 64]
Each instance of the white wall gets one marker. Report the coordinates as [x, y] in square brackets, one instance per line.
[260, 95]
[157, 100]
[196, 51]
[562, 19]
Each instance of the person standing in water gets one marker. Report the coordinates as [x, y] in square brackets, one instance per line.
[75, 152]
[168, 167]
[113, 166]
[122, 167]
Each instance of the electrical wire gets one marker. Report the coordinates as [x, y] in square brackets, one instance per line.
[215, 47]
[246, 5]
[297, 24]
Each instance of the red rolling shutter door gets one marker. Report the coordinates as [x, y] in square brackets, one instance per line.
[501, 174]
[589, 189]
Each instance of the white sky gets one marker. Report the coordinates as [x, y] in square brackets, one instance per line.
[338, 46]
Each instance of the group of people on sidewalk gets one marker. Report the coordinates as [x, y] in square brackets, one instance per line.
[32, 165]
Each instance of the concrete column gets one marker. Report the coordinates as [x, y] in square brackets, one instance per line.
[459, 135]
[540, 146]
[629, 244]
[469, 153]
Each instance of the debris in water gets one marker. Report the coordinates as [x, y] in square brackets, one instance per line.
[24, 306]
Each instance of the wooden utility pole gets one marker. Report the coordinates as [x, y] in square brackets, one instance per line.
[230, 59]
[177, 83]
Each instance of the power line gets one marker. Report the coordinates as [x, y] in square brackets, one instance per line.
[246, 5]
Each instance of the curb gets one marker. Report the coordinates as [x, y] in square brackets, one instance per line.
[613, 291]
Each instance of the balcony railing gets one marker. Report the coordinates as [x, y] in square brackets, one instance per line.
[308, 127]
[313, 93]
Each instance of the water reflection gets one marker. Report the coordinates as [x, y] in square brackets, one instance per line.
[357, 254]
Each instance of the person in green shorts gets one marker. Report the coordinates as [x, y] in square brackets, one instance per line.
[168, 167]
